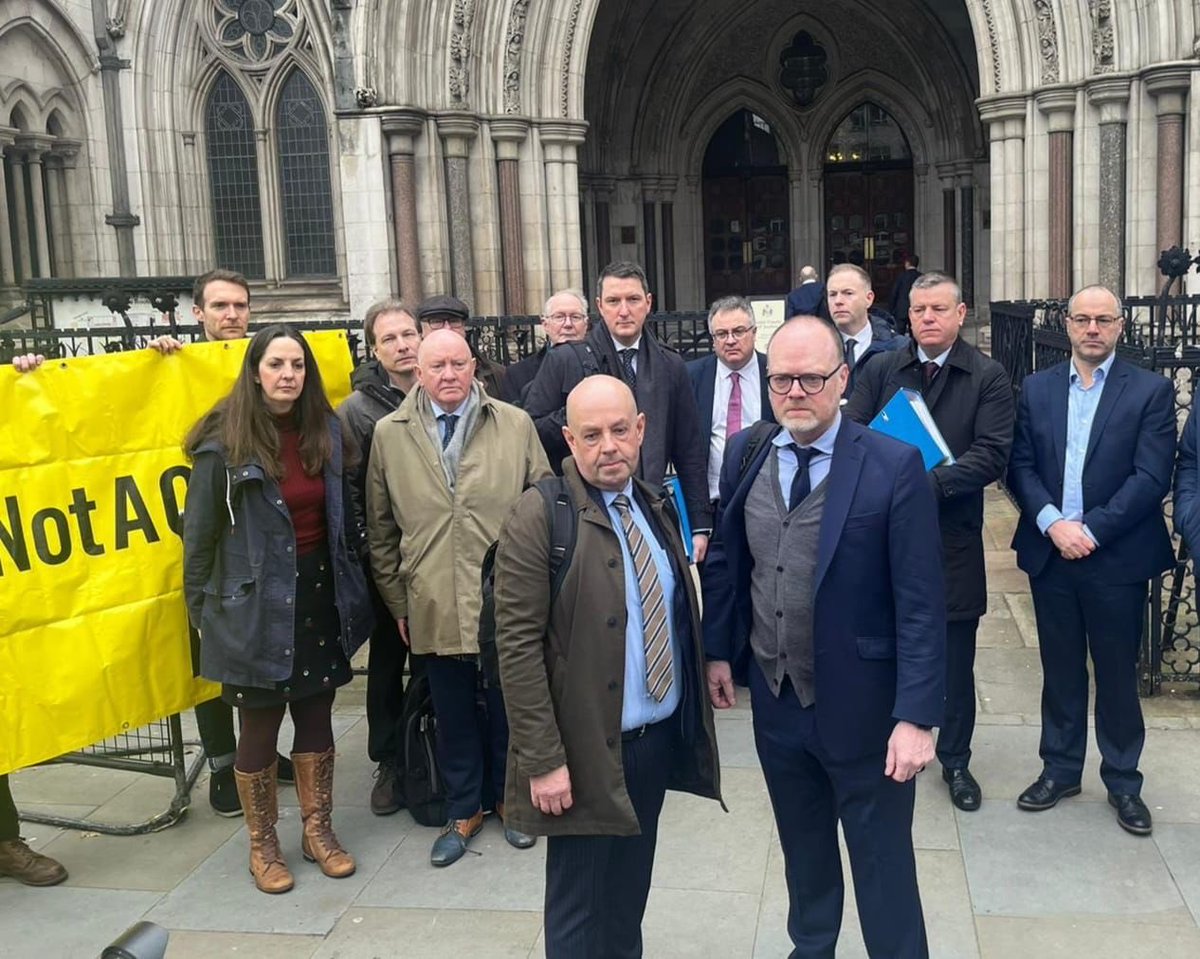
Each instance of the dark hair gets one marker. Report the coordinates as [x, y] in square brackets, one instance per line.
[621, 270]
[212, 276]
[244, 426]
[913, 259]
[376, 310]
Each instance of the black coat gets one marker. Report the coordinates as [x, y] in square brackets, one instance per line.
[971, 402]
[900, 296]
[664, 394]
[520, 374]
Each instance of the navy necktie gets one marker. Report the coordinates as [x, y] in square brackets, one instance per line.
[627, 366]
[449, 421]
[850, 345]
[800, 482]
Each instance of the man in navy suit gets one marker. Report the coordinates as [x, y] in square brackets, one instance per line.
[823, 592]
[731, 385]
[1091, 462]
[808, 299]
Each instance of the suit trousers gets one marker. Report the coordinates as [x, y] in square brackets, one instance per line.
[466, 747]
[214, 718]
[1076, 616]
[385, 689]
[596, 886]
[810, 792]
[9, 827]
[958, 726]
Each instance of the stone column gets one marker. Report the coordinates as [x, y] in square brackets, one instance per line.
[667, 213]
[559, 142]
[966, 206]
[402, 129]
[457, 130]
[508, 134]
[8, 268]
[650, 236]
[1169, 87]
[1058, 105]
[949, 219]
[602, 188]
[1111, 97]
[22, 254]
[1006, 131]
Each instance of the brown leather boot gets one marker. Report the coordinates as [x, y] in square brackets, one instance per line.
[314, 786]
[25, 865]
[261, 806]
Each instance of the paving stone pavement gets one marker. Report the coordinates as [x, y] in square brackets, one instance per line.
[996, 884]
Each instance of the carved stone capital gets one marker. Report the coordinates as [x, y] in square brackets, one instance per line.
[66, 152]
[1058, 106]
[508, 133]
[402, 127]
[1005, 117]
[1111, 96]
[1169, 86]
[34, 144]
[457, 130]
[7, 136]
[562, 132]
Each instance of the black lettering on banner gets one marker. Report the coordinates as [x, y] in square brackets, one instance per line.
[128, 496]
[12, 536]
[81, 508]
[170, 497]
[41, 543]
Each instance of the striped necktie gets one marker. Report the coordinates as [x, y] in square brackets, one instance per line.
[656, 637]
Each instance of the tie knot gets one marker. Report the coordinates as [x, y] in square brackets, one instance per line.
[930, 369]
[621, 502]
[449, 418]
[628, 353]
[804, 454]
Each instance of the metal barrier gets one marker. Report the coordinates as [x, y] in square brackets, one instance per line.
[157, 749]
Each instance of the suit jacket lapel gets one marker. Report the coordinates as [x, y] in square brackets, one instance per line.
[708, 387]
[765, 411]
[840, 486]
[1058, 415]
[1108, 399]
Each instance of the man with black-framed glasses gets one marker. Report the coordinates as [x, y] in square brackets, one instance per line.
[564, 320]
[730, 386]
[823, 593]
[1091, 463]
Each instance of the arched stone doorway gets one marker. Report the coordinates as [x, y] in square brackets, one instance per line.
[869, 208]
[746, 221]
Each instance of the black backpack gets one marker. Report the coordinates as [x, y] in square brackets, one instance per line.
[424, 793]
[561, 520]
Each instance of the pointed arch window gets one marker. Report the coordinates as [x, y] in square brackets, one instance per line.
[233, 174]
[304, 186]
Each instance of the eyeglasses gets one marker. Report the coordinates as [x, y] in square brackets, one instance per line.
[441, 322]
[560, 319]
[810, 383]
[1104, 322]
[735, 334]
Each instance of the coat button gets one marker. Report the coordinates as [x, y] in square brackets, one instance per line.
[612, 563]
[611, 621]
[288, 601]
[306, 672]
[289, 549]
[321, 642]
[779, 614]
[287, 652]
[278, 502]
[609, 741]
[239, 696]
[779, 569]
[612, 684]
[245, 472]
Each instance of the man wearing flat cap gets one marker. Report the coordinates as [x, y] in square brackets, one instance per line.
[451, 313]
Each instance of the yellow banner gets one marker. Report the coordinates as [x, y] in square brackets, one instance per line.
[93, 626]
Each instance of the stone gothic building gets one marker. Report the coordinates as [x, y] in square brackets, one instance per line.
[339, 150]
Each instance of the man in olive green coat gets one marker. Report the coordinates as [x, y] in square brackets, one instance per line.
[604, 687]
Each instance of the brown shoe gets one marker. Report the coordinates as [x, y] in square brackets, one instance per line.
[260, 803]
[25, 865]
[314, 786]
[451, 844]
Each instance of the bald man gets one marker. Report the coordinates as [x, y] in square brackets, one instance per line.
[445, 470]
[604, 683]
[564, 320]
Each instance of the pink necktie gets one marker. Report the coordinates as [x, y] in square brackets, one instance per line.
[733, 419]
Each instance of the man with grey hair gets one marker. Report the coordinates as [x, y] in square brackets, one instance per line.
[971, 402]
[730, 386]
[807, 299]
[380, 385]
[564, 320]
[865, 335]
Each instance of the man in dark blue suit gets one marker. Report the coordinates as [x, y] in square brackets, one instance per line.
[730, 386]
[1091, 462]
[808, 299]
[823, 592]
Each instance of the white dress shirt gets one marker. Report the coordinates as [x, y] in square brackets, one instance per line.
[751, 413]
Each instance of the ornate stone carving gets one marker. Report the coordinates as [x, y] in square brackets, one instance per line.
[1103, 60]
[460, 50]
[254, 32]
[989, 18]
[565, 89]
[1043, 11]
[114, 23]
[512, 56]
[366, 97]
[803, 68]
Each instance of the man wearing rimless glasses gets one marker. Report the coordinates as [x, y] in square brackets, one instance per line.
[1091, 462]
[564, 320]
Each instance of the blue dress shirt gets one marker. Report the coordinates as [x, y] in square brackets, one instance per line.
[1081, 410]
[438, 413]
[818, 466]
[638, 707]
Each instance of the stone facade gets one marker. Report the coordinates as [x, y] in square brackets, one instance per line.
[502, 149]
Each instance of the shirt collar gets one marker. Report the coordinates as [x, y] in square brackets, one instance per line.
[728, 371]
[863, 337]
[1101, 373]
[610, 495]
[438, 411]
[822, 444]
[619, 346]
[940, 360]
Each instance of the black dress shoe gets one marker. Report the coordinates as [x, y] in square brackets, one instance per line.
[1132, 814]
[964, 790]
[1045, 794]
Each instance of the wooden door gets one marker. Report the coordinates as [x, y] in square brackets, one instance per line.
[869, 214]
[746, 245]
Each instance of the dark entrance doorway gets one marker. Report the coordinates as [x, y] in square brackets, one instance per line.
[869, 196]
[746, 211]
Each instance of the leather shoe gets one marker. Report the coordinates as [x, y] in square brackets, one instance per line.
[1044, 794]
[1132, 814]
[451, 845]
[964, 790]
[25, 865]
[514, 837]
